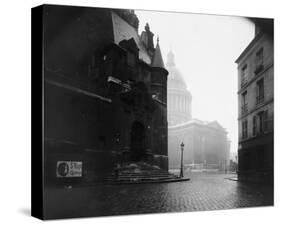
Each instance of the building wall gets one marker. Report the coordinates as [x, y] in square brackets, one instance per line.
[255, 153]
[266, 41]
[98, 96]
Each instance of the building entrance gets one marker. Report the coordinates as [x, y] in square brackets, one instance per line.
[137, 141]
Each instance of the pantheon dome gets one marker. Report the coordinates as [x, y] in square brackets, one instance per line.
[179, 98]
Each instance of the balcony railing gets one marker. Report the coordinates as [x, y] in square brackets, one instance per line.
[244, 81]
[259, 99]
[244, 109]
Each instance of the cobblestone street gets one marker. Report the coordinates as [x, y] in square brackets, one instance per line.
[202, 192]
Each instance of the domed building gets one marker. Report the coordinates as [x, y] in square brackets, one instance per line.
[179, 98]
[206, 143]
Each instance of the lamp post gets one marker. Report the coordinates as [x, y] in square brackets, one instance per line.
[181, 170]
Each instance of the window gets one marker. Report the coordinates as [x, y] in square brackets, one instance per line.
[260, 91]
[244, 98]
[265, 121]
[268, 121]
[117, 138]
[261, 116]
[244, 129]
[130, 59]
[244, 107]
[259, 61]
[244, 75]
[254, 126]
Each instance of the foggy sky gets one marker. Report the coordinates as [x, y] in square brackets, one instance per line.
[205, 48]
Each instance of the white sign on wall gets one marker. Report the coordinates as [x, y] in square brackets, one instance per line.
[69, 169]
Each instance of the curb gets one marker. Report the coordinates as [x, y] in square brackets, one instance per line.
[232, 178]
[148, 182]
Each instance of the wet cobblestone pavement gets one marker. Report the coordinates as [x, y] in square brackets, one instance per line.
[202, 192]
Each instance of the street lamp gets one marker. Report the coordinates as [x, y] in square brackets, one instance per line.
[181, 171]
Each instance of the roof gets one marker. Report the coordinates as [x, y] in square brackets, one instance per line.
[122, 30]
[213, 124]
[248, 48]
[157, 60]
[262, 26]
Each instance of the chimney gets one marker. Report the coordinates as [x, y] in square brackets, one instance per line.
[147, 39]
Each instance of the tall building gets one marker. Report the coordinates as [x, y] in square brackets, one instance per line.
[255, 97]
[206, 143]
[105, 93]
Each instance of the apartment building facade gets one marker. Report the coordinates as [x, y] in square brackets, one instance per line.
[256, 106]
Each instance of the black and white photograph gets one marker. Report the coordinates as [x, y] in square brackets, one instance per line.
[140, 112]
[152, 112]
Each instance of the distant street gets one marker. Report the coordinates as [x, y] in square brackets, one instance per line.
[202, 192]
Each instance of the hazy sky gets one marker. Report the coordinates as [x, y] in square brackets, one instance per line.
[205, 48]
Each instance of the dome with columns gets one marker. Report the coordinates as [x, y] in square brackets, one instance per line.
[179, 98]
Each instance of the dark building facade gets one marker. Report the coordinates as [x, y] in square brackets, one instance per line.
[105, 94]
[256, 106]
[206, 143]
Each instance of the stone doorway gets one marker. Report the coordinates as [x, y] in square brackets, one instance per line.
[137, 141]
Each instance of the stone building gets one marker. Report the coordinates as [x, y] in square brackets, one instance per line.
[255, 97]
[206, 143]
[105, 93]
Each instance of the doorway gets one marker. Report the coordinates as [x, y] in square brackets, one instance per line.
[137, 141]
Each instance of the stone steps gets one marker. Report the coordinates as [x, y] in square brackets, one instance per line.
[139, 177]
[133, 177]
[142, 176]
[140, 173]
